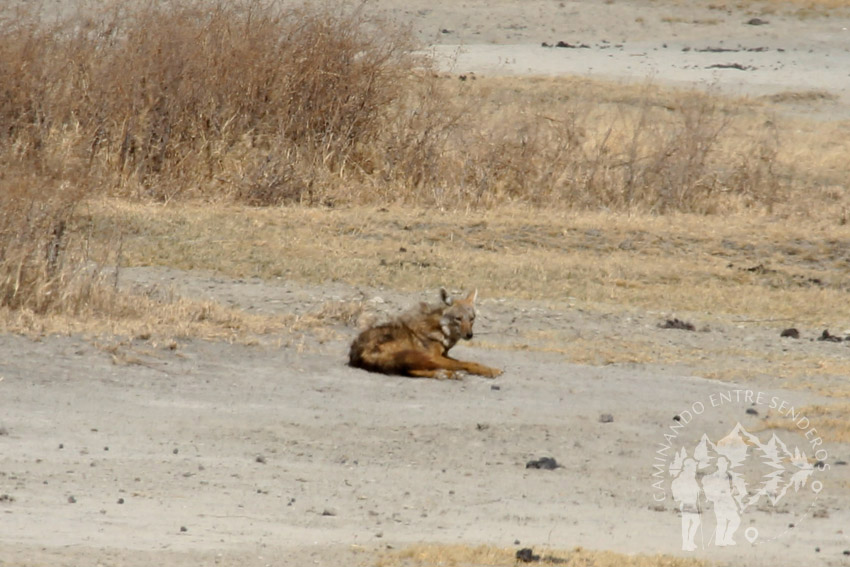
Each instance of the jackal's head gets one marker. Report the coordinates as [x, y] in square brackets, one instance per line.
[458, 317]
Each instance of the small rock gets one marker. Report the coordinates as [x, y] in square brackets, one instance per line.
[606, 418]
[72, 500]
[790, 333]
[757, 22]
[737, 66]
[545, 463]
[752, 411]
[825, 336]
[526, 555]
[676, 324]
[183, 529]
[567, 45]
[328, 512]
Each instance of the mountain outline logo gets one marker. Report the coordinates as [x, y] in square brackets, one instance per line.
[739, 473]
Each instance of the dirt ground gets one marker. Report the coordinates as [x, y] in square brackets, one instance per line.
[136, 453]
[196, 452]
[794, 49]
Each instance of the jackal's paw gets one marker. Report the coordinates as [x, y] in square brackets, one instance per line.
[488, 372]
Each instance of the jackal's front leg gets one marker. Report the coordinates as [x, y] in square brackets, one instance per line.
[444, 367]
[454, 365]
[478, 369]
[439, 374]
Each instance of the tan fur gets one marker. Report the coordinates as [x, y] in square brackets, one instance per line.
[417, 343]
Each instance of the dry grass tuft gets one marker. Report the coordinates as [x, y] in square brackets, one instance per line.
[802, 96]
[333, 313]
[162, 100]
[830, 421]
[43, 265]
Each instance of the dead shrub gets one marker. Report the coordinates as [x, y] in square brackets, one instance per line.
[627, 158]
[35, 240]
[160, 99]
[316, 106]
[321, 105]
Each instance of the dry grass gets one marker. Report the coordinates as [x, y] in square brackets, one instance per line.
[424, 555]
[830, 421]
[163, 318]
[745, 271]
[208, 105]
[189, 98]
[749, 267]
[245, 102]
[802, 96]
[580, 145]
[44, 267]
[804, 8]
[166, 100]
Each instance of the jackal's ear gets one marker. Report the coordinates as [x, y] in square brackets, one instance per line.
[473, 295]
[445, 297]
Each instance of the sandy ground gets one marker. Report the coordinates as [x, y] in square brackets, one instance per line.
[212, 453]
[699, 45]
[258, 455]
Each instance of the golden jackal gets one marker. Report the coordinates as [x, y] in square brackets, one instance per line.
[417, 343]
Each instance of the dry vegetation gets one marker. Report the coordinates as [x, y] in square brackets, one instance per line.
[830, 421]
[745, 266]
[207, 108]
[243, 102]
[461, 556]
[247, 103]
[153, 136]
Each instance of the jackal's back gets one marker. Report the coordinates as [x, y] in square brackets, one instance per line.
[378, 348]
